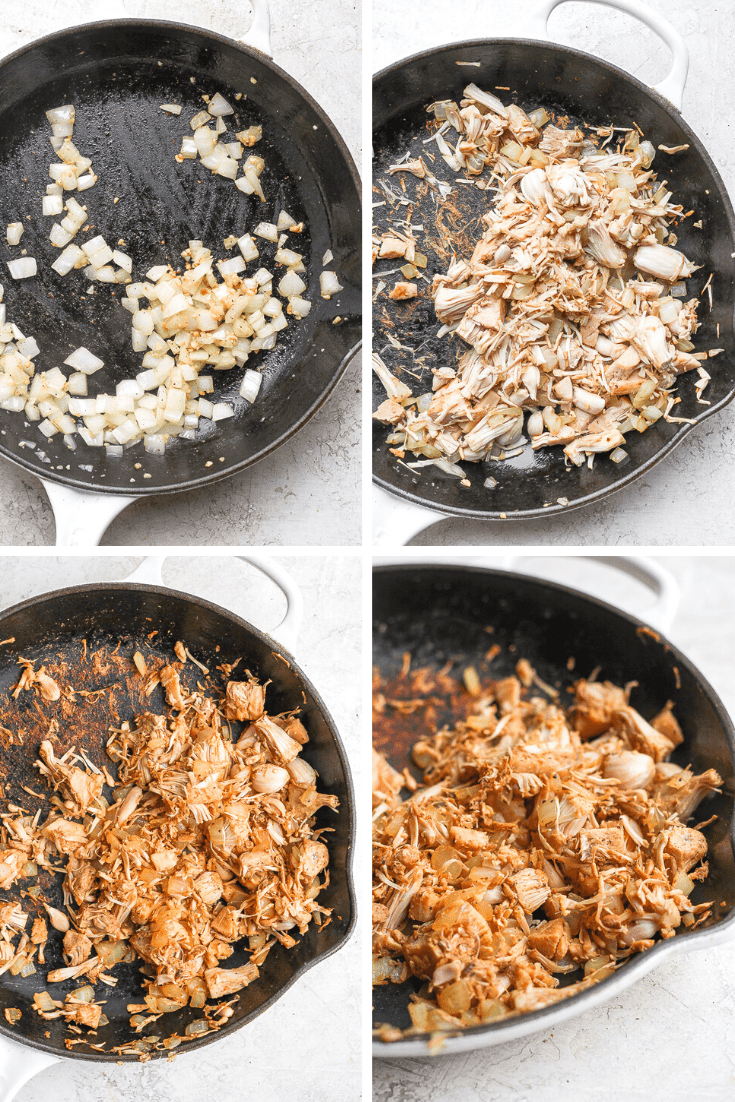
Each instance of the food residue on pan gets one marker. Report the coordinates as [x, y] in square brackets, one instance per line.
[543, 847]
[569, 291]
[205, 846]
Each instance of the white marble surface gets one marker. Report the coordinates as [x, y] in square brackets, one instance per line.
[285, 498]
[671, 1035]
[686, 498]
[307, 1046]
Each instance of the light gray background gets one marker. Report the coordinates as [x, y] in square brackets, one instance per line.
[687, 498]
[671, 1035]
[287, 498]
[307, 1046]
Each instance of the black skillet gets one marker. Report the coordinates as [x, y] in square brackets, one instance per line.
[51, 628]
[117, 73]
[441, 613]
[586, 90]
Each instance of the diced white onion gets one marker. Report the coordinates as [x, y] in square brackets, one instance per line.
[28, 348]
[84, 360]
[250, 385]
[266, 230]
[329, 284]
[67, 260]
[300, 307]
[218, 105]
[221, 411]
[188, 148]
[63, 114]
[23, 268]
[285, 221]
[14, 232]
[59, 236]
[123, 260]
[247, 247]
[291, 284]
[232, 266]
[172, 108]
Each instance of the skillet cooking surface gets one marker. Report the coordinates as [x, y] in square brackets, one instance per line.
[117, 75]
[584, 90]
[441, 615]
[126, 615]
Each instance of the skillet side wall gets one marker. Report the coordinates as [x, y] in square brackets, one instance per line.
[585, 90]
[55, 625]
[440, 615]
[117, 75]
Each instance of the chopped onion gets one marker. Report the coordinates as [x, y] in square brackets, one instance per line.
[329, 284]
[328, 257]
[244, 185]
[232, 266]
[188, 148]
[172, 108]
[67, 260]
[247, 247]
[28, 348]
[266, 230]
[250, 385]
[123, 260]
[23, 268]
[84, 360]
[291, 285]
[154, 444]
[300, 307]
[14, 232]
[63, 114]
[219, 106]
[285, 221]
[221, 411]
[59, 236]
[101, 257]
[205, 140]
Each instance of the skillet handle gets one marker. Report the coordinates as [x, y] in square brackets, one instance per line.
[286, 633]
[395, 521]
[672, 88]
[82, 518]
[18, 1064]
[658, 579]
[258, 36]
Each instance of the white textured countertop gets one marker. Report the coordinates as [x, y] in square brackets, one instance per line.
[307, 1046]
[672, 1034]
[286, 498]
[686, 497]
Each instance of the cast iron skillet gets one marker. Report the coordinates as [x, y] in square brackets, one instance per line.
[117, 73]
[586, 90]
[440, 614]
[52, 628]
